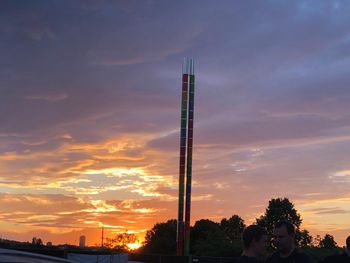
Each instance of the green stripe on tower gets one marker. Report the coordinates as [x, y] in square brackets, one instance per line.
[189, 160]
[182, 166]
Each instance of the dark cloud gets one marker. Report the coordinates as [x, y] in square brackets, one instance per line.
[327, 210]
[92, 43]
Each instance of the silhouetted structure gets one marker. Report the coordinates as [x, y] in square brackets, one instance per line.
[82, 240]
[186, 143]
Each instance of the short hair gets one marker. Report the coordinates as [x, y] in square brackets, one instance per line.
[288, 225]
[252, 232]
[348, 242]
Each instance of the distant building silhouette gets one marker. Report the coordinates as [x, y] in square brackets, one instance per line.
[49, 244]
[82, 241]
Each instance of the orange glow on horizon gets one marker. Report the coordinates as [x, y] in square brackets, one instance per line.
[133, 246]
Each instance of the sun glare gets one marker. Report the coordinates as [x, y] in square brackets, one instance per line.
[133, 246]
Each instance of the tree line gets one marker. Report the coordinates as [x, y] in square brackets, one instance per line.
[222, 239]
[209, 238]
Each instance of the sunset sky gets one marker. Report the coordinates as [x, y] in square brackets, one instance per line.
[90, 95]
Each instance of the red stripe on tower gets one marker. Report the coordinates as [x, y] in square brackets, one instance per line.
[182, 165]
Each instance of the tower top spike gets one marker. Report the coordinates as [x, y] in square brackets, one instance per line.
[185, 66]
[188, 66]
[191, 66]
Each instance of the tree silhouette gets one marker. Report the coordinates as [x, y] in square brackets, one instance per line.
[328, 242]
[283, 209]
[37, 241]
[208, 239]
[233, 229]
[279, 209]
[202, 228]
[304, 239]
[121, 241]
[316, 241]
[161, 238]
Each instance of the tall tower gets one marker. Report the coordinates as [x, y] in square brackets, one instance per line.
[186, 142]
[189, 158]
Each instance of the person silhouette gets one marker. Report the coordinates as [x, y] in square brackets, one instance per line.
[254, 240]
[284, 241]
[342, 258]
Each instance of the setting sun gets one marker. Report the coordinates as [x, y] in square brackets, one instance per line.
[134, 246]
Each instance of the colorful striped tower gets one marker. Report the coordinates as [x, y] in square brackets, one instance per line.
[183, 136]
[189, 158]
[186, 139]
